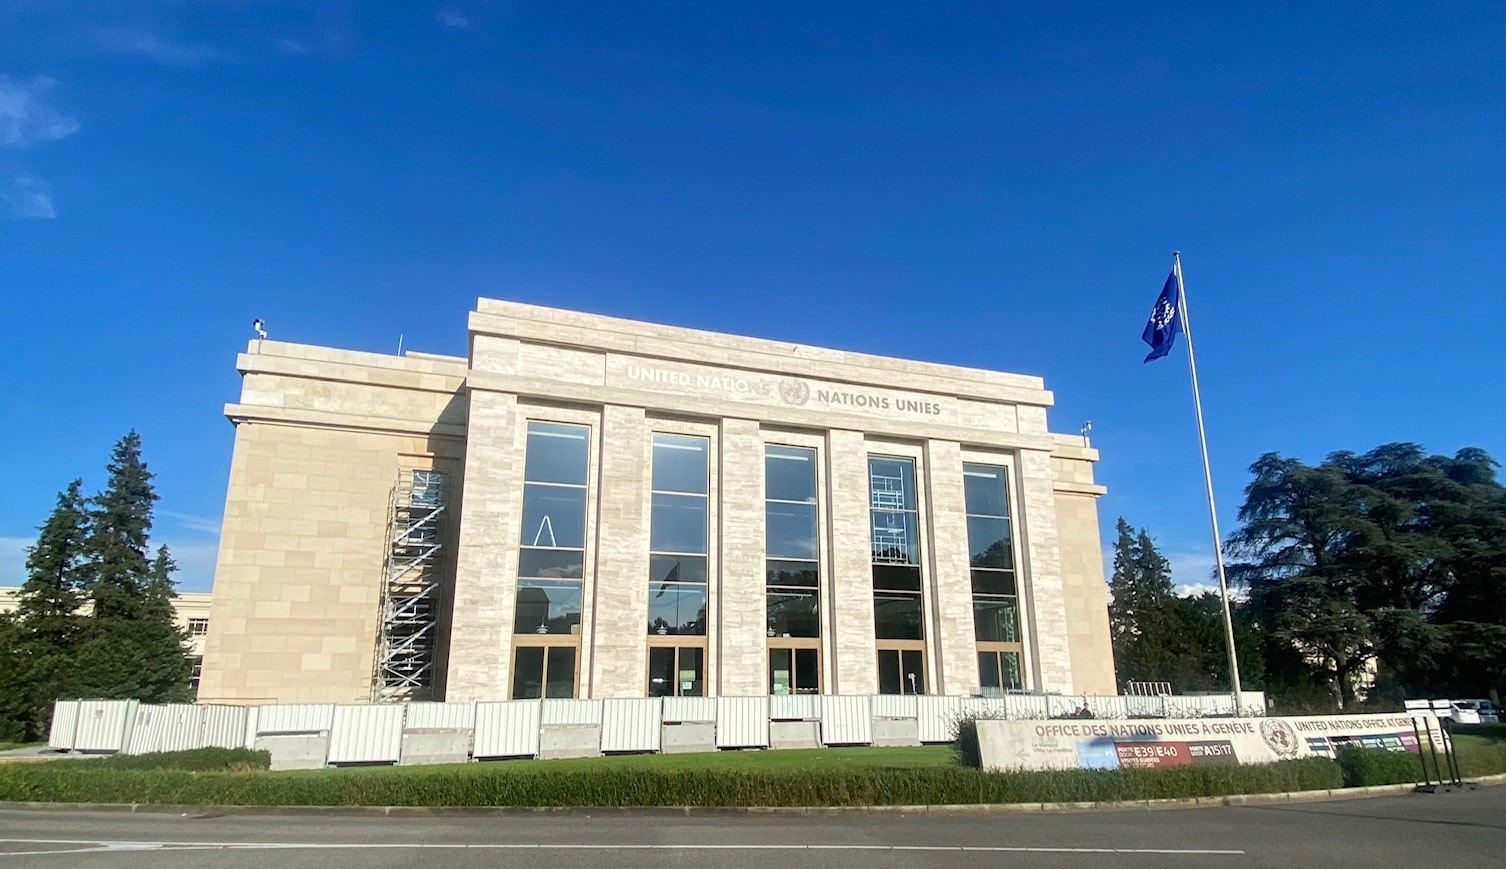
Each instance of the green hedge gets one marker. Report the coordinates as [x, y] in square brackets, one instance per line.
[193, 760]
[1378, 766]
[495, 785]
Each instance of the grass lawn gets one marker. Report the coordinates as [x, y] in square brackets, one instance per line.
[1482, 753]
[799, 760]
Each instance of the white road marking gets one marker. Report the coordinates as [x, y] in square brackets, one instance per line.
[104, 846]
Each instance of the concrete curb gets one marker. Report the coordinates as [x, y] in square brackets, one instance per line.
[1231, 800]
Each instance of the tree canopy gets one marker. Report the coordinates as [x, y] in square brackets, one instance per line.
[1392, 560]
[95, 615]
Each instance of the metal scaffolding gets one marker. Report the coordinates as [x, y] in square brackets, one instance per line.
[410, 596]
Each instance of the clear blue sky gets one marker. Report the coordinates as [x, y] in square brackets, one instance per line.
[994, 185]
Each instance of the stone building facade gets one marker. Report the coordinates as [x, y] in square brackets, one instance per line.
[619, 509]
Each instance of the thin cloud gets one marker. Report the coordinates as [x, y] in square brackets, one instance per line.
[26, 118]
[201, 524]
[27, 197]
[331, 43]
[195, 560]
[449, 16]
[144, 43]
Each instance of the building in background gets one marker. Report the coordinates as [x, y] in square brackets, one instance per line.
[190, 611]
[595, 507]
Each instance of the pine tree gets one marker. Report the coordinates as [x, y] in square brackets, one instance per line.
[133, 647]
[1150, 638]
[120, 520]
[47, 625]
[48, 604]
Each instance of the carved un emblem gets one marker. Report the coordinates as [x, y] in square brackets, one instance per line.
[1279, 736]
[795, 392]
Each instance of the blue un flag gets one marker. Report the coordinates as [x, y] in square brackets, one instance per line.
[1165, 320]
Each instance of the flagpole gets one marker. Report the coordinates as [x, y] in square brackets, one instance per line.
[1202, 437]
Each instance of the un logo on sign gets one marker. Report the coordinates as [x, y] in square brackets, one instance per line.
[1280, 736]
[795, 392]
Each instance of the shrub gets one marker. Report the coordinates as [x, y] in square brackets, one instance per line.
[965, 746]
[193, 760]
[1378, 766]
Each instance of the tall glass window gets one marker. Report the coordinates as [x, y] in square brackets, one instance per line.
[996, 610]
[677, 601]
[553, 551]
[899, 625]
[551, 560]
[792, 570]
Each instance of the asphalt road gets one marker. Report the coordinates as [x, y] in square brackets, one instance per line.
[1458, 829]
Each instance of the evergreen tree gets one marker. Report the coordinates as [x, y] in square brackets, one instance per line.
[1150, 638]
[47, 608]
[120, 521]
[47, 625]
[1392, 558]
[133, 649]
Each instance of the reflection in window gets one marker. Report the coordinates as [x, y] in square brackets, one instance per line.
[792, 571]
[676, 671]
[896, 549]
[543, 671]
[547, 607]
[795, 671]
[552, 556]
[677, 593]
[996, 610]
[901, 671]
[998, 672]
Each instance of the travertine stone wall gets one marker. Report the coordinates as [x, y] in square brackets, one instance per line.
[950, 576]
[620, 656]
[481, 634]
[1083, 583]
[855, 663]
[299, 576]
[1045, 607]
[741, 621]
[1085, 595]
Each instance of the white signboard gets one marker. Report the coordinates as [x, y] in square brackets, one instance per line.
[1073, 744]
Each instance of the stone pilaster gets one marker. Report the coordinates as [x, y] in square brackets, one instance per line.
[486, 568]
[950, 587]
[619, 648]
[1046, 603]
[740, 603]
[851, 646]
